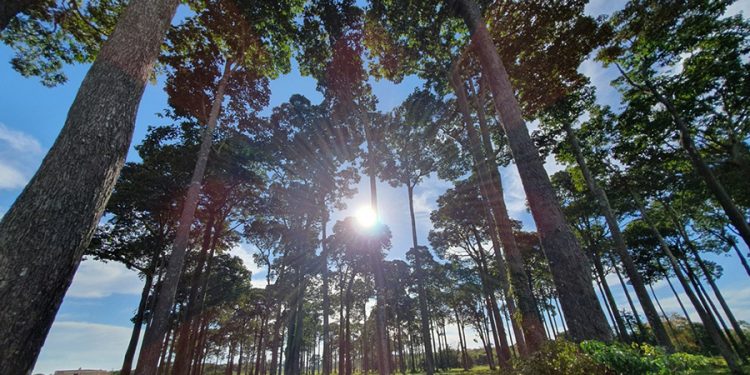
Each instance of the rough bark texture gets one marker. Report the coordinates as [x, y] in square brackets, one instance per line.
[424, 312]
[533, 332]
[662, 338]
[149, 354]
[43, 235]
[570, 270]
[9, 9]
[708, 323]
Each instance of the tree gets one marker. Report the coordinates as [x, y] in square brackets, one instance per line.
[225, 44]
[66, 197]
[696, 71]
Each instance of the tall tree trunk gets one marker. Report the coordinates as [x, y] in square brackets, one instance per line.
[664, 314]
[662, 338]
[696, 338]
[348, 328]
[365, 360]
[424, 311]
[610, 298]
[608, 307]
[569, 267]
[229, 370]
[135, 335]
[46, 230]
[326, 298]
[734, 214]
[708, 323]
[625, 291]
[708, 275]
[491, 188]
[380, 314]
[182, 356]
[147, 358]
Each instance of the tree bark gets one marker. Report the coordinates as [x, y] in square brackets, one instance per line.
[610, 298]
[708, 322]
[147, 358]
[424, 312]
[127, 363]
[326, 298]
[662, 338]
[490, 186]
[45, 232]
[570, 270]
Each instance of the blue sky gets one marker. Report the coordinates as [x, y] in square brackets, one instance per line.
[93, 325]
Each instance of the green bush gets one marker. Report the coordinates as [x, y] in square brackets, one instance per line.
[644, 359]
[560, 357]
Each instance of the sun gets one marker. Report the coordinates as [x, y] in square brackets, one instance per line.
[366, 217]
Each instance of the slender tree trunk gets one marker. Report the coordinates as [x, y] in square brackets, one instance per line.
[348, 328]
[45, 232]
[637, 317]
[229, 370]
[666, 318]
[709, 324]
[734, 214]
[182, 356]
[380, 314]
[365, 360]
[326, 298]
[491, 188]
[424, 311]
[610, 298]
[741, 257]
[147, 357]
[608, 308]
[662, 338]
[709, 277]
[697, 338]
[569, 267]
[127, 363]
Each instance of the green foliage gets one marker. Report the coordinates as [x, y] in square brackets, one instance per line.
[644, 359]
[561, 357]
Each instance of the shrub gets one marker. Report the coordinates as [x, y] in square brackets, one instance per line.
[560, 357]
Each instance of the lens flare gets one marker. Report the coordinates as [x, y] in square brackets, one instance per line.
[366, 217]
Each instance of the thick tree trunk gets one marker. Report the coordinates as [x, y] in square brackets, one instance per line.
[44, 233]
[610, 298]
[708, 322]
[569, 267]
[424, 311]
[9, 9]
[127, 363]
[148, 356]
[662, 338]
[491, 188]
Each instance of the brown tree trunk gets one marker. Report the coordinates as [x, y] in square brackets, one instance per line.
[148, 356]
[662, 338]
[569, 267]
[708, 322]
[45, 231]
[734, 214]
[424, 311]
[127, 363]
[326, 297]
[610, 298]
[502, 232]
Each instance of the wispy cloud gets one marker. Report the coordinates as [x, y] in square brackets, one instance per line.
[20, 153]
[245, 252]
[95, 279]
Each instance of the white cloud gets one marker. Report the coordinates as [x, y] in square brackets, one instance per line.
[515, 197]
[10, 177]
[73, 345]
[95, 279]
[20, 154]
[245, 252]
[19, 141]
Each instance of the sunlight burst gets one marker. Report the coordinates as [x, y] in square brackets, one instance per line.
[366, 217]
